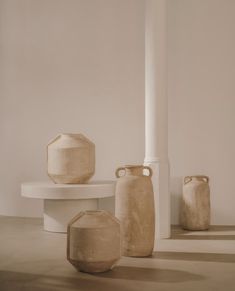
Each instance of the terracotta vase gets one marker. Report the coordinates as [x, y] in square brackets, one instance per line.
[134, 207]
[93, 241]
[71, 159]
[195, 208]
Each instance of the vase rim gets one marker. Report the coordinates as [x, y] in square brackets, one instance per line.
[94, 211]
[133, 166]
[71, 134]
[197, 176]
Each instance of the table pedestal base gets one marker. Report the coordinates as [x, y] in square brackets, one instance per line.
[57, 213]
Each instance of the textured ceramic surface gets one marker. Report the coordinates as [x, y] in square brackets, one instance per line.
[195, 208]
[94, 243]
[134, 207]
[71, 159]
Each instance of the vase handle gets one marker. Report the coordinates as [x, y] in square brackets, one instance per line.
[205, 178]
[149, 169]
[118, 170]
[187, 179]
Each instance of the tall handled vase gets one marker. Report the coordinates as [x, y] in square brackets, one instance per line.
[134, 207]
[195, 208]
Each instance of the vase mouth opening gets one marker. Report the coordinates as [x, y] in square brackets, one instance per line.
[133, 166]
[90, 212]
[70, 134]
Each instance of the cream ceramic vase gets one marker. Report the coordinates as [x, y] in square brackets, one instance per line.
[134, 207]
[93, 241]
[195, 208]
[71, 159]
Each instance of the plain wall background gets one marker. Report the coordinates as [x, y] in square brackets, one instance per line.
[68, 66]
[78, 66]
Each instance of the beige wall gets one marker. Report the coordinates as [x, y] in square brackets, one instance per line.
[78, 66]
[202, 99]
[68, 66]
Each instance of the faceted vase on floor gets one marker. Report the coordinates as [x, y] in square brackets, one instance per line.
[71, 159]
[195, 208]
[93, 241]
[134, 207]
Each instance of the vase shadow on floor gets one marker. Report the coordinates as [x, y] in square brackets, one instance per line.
[150, 275]
[12, 281]
[116, 279]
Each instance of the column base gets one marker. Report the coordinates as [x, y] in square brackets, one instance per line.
[160, 181]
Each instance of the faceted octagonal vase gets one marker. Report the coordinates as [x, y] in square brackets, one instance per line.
[71, 159]
[195, 208]
[134, 207]
[93, 241]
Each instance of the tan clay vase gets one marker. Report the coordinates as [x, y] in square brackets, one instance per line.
[71, 159]
[195, 208]
[134, 207]
[93, 241]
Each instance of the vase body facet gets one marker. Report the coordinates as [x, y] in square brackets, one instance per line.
[134, 207]
[71, 159]
[93, 241]
[195, 208]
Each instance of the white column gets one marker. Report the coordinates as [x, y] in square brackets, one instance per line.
[156, 119]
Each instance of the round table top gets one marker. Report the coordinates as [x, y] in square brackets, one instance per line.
[50, 190]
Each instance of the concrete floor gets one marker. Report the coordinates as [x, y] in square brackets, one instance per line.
[32, 259]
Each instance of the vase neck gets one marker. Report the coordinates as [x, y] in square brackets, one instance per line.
[134, 170]
[69, 135]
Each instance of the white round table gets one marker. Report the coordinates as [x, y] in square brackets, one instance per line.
[63, 201]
